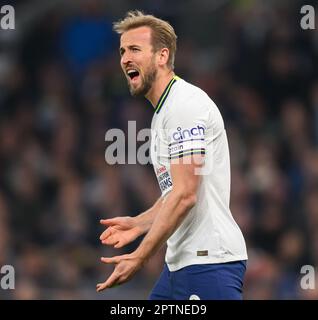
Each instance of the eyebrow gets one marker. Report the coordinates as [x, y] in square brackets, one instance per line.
[122, 50]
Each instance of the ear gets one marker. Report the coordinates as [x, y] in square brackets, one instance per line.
[163, 56]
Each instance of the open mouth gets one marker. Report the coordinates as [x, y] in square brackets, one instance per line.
[133, 74]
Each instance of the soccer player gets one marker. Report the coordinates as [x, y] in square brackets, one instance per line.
[206, 252]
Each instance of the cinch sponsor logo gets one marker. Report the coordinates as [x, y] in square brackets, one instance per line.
[187, 133]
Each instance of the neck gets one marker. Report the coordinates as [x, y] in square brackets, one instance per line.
[159, 85]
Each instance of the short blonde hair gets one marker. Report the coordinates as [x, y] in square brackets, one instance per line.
[163, 35]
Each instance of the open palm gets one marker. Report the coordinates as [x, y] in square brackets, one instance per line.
[120, 231]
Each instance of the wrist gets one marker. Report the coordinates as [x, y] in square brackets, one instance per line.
[141, 223]
[140, 255]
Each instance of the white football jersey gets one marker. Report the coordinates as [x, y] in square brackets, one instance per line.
[186, 121]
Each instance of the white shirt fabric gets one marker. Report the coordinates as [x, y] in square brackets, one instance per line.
[186, 121]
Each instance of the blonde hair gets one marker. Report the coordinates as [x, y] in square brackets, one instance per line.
[163, 35]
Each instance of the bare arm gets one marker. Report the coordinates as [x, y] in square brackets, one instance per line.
[146, 219]
[162, 223]
[173, 210]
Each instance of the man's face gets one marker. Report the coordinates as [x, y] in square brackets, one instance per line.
[138, 60]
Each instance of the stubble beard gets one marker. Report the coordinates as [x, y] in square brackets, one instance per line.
[146, 83]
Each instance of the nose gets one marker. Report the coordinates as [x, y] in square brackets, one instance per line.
[125, 59]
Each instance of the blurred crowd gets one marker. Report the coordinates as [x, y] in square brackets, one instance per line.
[61, 89]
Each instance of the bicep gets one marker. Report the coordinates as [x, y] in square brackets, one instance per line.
[186, 173]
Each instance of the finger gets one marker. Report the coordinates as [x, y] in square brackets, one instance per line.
[100, 287]
[110, 241]
[108, 232]
[118, 245]
[113, 260]
[109, 222]
[109, 283]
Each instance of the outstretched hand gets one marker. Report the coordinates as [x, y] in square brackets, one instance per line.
[125, 268]
[120, 231]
